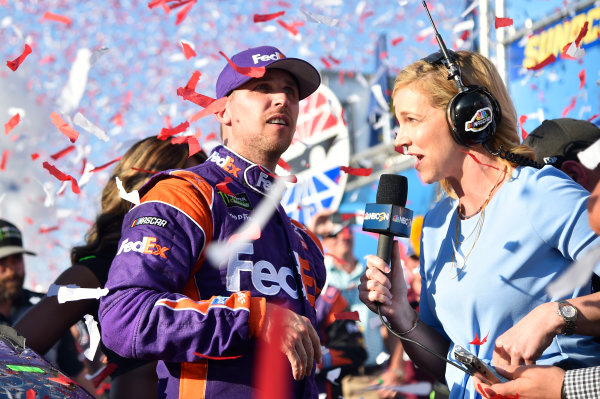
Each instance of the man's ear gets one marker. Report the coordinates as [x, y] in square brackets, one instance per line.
[224, 115]
[575, 170]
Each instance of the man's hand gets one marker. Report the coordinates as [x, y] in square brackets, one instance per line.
[299, 340]
[526, 341]
[529, 382]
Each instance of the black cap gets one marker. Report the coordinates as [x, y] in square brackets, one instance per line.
[558, 140]
[10, 240]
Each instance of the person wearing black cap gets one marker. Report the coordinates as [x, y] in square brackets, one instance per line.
[14, 300]
[557, 142]
[204, 316]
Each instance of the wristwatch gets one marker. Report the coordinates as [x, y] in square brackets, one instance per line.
[569, 315]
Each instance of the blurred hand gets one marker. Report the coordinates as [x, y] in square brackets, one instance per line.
[526, 341]
[529, 382]
[390, 378]
[299, 340]
[321, 223]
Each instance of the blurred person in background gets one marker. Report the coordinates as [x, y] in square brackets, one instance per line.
[15, 301]
[343, 273]
[91, 263]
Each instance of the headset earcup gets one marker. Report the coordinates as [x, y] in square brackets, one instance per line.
[473, 116]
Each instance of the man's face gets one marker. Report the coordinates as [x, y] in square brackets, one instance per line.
[12, 275]
[262, 114]
[341, 244]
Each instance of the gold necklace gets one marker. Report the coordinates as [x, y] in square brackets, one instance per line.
[456, 270]
[456, 243]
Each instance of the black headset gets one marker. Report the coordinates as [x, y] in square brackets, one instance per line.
[473, 114]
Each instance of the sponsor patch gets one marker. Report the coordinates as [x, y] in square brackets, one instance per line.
[240, 200]
[481, 120]
[149, 221]
[148, 246]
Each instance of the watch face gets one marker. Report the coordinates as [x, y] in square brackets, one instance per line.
[568, 311]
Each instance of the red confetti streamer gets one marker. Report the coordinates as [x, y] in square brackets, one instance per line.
[62, 176]
[152, 172]
[14, 64]
[341, 77]
[50, 16]
[476, 340]
[211, 136]
[252, 72]
[357, 171]
[335, 60]
[275, 383]
[347, 316]
[3, 161]
[118, 119]
[35, 156]
[106, 371]
[502, 22]
[547, 61]
[291, 28]
[10, 125]
[581, 79]
[30, 394]
[29, 221]
[337, 260]
[191, 141]
[478, 161]
[106, 165]
[166, 132]
[284, 165]
[188, 92]
[46, 230]
[67, 130]
[582, 33]
[267, 17]
[397, 40]
[251, 233]
[569, 107]
[184, 12]
[62, 153]
[290, 178]
[399, 149]
[188, 51]
[522, 120]
[593, 117]
[212, 108]
[365, 15]
[223, 186]
[217, 357]
[326, 62]
[47, 60]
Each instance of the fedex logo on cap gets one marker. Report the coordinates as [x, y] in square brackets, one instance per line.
[264, 58]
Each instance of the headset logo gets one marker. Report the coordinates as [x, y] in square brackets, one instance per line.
[379, 216]
[148, 245]
[264, 58]
[481, 120]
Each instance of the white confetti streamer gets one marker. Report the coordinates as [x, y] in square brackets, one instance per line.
[590, 157]
[73, 91]
[133, 197]
[70, 294]
[94, 333]
[576, 275]
[88, 126]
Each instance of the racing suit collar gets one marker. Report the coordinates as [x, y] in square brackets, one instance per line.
[257, 177]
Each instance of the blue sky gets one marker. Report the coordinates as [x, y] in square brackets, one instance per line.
[140, 64]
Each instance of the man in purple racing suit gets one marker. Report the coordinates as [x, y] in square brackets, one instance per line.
[203, 317]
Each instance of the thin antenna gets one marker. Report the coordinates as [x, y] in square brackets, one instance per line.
[453, 72]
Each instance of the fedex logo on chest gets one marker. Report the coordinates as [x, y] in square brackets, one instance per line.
[227, 163]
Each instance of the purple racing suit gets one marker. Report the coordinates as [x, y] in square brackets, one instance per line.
[168, 301]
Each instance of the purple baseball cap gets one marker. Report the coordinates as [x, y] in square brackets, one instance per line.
[306, 75]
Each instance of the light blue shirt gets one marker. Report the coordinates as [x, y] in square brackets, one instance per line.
[534, 227]
[369, 324]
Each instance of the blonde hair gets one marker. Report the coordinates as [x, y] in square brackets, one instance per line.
[432, 79]
[139, 163]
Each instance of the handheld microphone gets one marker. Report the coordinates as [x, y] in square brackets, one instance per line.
[388, 216]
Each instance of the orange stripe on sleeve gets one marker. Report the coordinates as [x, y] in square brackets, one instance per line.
[192, 381]
[258, 311]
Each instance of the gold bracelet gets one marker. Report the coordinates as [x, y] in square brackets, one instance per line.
[415, 324]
